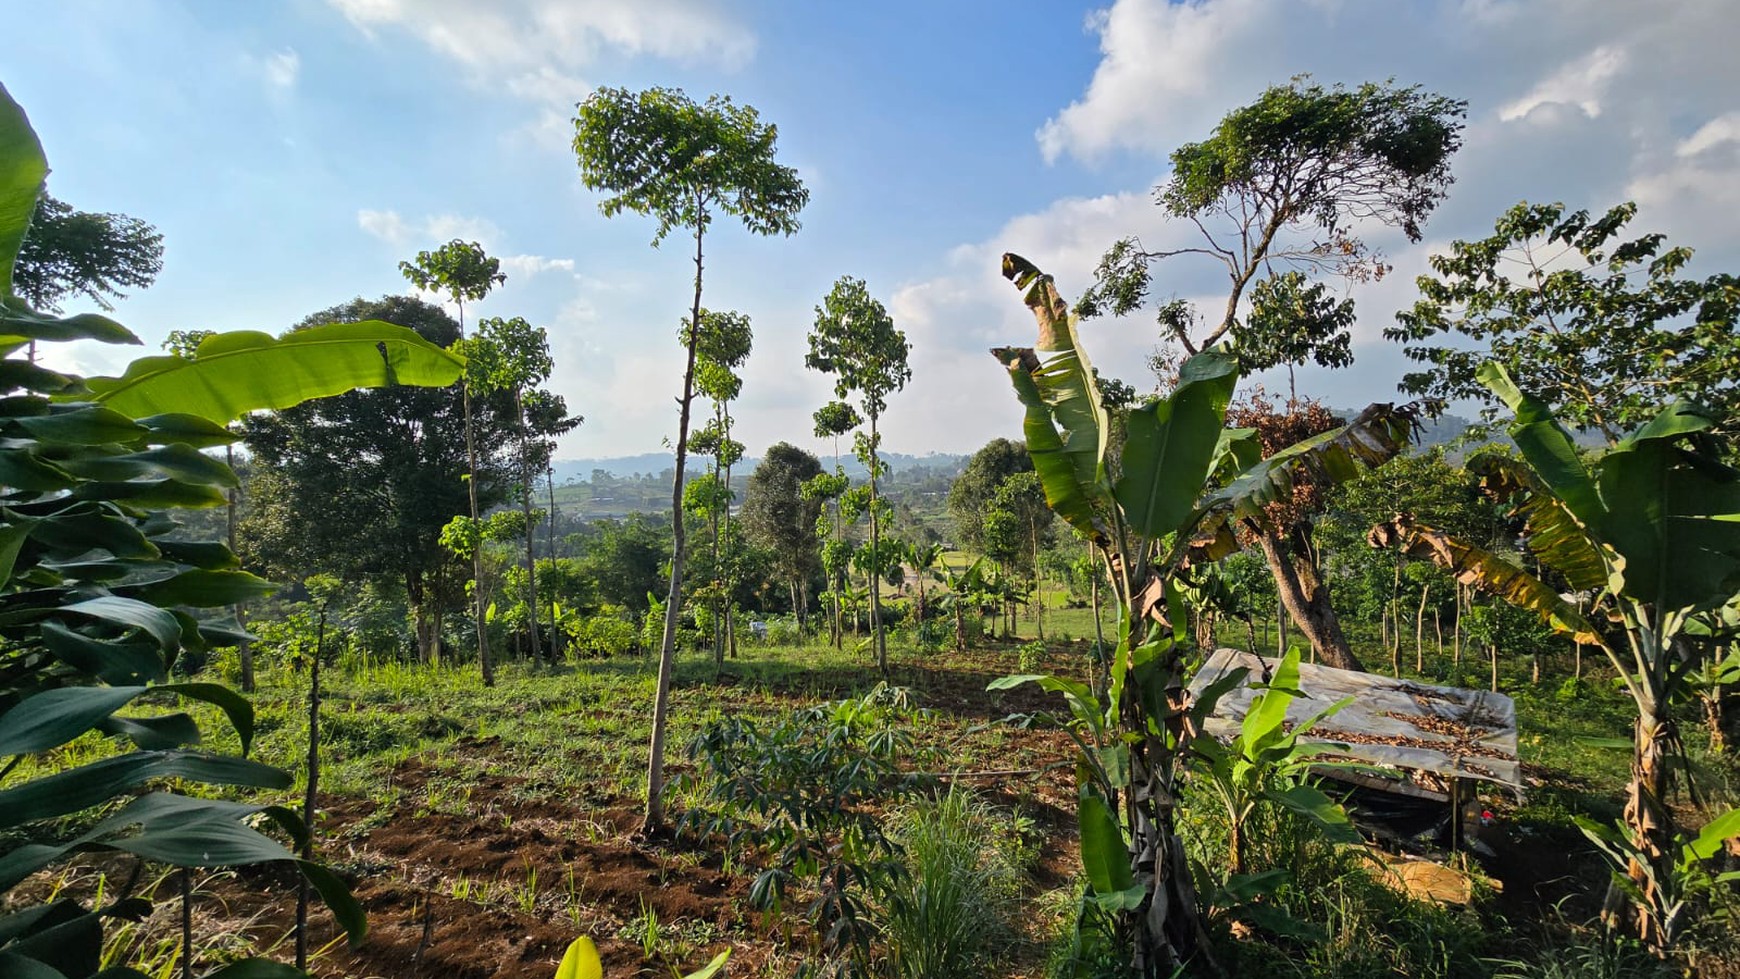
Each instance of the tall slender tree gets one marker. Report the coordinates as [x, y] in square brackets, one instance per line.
[855, 340]
[1278, 193]
[661, 154]
[461, 271]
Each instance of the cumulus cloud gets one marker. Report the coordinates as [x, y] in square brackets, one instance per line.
[541, 50]
[1582, 83]
[435, 229]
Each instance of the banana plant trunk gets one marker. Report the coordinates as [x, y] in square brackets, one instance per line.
[1647, 817]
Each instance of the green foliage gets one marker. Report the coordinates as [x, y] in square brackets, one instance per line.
[71, 253]
[661, 154]
[459, 270]
[855, 340]
[1603, 337]
[799, 790]
[1276, 192]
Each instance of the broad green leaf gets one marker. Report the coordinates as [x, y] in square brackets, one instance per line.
[202, 589]
[235, 706]
[1171, 444]
[54, 717]
[153, 494]
[157, 732]
[17, 373]
[23, 469]
[580, 961]
[1554, 535]
[191, 430]
[1547, 446]
[70, 535]
[159, 623]
[1105, 857]
[1716, 832]
[338, 899]
[118, 663]
[204, 555]
[1311, 803]
[87, 785]
[1065, 425]
[235, 373]
[1262, 725]
[23, 168]
[178, 461]
[85, 425]
[20, 324]
[13, 532]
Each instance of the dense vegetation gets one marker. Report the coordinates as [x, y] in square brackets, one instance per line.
[904, 720]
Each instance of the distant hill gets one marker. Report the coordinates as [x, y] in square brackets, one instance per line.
[654, 463]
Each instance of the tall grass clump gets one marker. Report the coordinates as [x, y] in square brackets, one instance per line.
[954, 904]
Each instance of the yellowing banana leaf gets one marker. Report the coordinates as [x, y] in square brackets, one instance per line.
[1476, 566]
[1555, 535]
[234, 373]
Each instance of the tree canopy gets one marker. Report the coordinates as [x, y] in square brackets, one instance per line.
[1275, 193]
[68, 253]
[1604, 328]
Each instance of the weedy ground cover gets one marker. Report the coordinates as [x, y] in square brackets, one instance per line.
[486, 828]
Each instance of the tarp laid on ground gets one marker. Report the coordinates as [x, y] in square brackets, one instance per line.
[1390, 723]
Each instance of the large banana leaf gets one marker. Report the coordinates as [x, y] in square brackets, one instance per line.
[1555, 536]
[1547, 446]
[1476, 566]
[1172, 443]
[235, 373]
[1065, 424]
[22, 171]
[1674, 523]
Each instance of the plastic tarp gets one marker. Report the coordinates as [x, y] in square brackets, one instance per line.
[1389, 723]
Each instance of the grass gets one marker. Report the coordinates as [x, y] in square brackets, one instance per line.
[574, 738]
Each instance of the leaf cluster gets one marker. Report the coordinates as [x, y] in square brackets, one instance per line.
[661, 154]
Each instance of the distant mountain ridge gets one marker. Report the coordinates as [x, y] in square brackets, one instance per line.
[654, 463]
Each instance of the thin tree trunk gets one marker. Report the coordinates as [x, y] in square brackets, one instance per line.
[244, 649]
[1420, 632]
[1438, 632]
[312, 789]
[654, 824]
[1456, 630]
[877, 637]
[526, 511]
[1492, 654]
[471, 493]
[556, 649]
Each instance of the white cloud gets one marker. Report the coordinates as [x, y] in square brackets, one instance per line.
[1582, 83]
[526, 266]
[282, 68]
[433, 230]
[1720, 131]
[541, 50]
[385, 225]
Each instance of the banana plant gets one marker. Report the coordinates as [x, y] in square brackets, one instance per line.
[98, 592]
[1149, 512]
[1653, 528]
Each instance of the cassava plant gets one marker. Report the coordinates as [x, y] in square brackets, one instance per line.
[1156, 515]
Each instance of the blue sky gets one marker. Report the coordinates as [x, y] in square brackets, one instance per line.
[293, 152]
